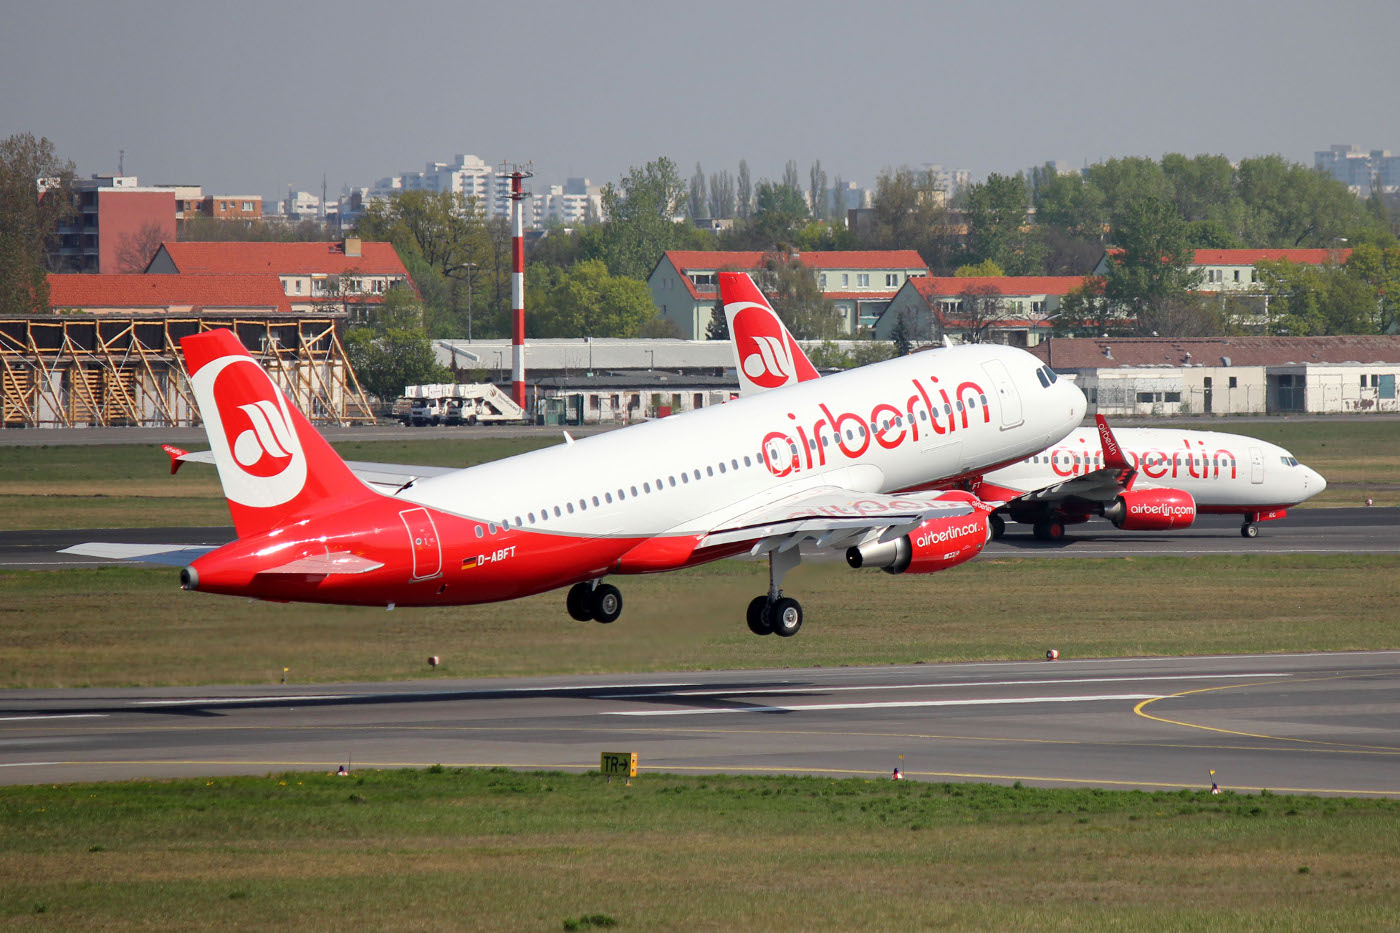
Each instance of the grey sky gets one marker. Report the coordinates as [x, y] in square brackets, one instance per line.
[247, 97]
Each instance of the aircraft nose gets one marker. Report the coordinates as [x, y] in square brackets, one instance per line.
[1314, 481]
[1078, 404]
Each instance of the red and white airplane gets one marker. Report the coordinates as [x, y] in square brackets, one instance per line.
[1140, 479]
[822, 463]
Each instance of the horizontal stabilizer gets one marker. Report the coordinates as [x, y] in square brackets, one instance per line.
[394, 476]
[320, 564]
[170, 555]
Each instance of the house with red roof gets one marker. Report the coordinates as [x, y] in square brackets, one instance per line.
[860, 283]
[348, 275]
[1010, 309]
[168, 294]
[1227, 271]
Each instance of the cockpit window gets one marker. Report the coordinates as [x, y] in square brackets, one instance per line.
[1040, 374]
[1289, 461]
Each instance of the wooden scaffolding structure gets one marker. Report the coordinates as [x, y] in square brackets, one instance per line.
[113, 370]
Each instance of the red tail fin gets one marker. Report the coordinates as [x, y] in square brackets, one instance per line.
[272, 463]
[766, 356]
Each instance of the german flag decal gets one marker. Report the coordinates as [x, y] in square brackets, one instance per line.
[469, 563]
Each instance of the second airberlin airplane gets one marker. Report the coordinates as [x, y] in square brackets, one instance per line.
[820, 463]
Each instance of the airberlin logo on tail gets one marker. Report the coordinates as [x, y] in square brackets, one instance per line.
[763, 351]
[260, 459]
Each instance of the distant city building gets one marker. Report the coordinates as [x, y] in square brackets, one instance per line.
[860, 283]
[950, 180]
[117, 227]
[1359, 170]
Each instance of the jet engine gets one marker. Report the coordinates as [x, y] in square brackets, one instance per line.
[937, 544]
[1152, 510]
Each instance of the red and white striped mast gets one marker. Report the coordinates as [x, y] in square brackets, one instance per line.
[518, 173]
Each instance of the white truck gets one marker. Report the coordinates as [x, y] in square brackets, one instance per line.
[458, 403]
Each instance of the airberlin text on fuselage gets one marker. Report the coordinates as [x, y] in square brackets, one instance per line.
[879, 426]
[947, 534]
[1071, 461]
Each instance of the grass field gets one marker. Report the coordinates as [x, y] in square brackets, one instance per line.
[126, 626]
[449, 850]
[122, 486]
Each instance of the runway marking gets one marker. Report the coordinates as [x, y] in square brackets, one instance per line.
[415, 695]
[1138, 709]
[972, 683]
[32, 764]
[54, 716]
[891, 704]
[746, 769]
[216, 701]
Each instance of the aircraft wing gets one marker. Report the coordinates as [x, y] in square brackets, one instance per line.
[391, 476]
[831, 516]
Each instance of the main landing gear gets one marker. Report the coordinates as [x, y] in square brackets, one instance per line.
[1049, 529]
[1249, 529]
[774, 613]
[598, 602]
[998, 526]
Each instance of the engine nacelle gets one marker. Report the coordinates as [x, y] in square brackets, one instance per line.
[937, 544]
[1152, 510]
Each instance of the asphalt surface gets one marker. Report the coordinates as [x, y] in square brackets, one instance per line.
[1304, 531]
[1311, 723]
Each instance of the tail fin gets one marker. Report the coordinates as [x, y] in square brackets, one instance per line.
[272, 462]
[765, 354]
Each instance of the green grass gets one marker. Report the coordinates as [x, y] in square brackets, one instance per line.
[123, 486]
[117, 625]
[444, 849]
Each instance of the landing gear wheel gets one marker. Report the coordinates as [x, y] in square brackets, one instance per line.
[1049, 530]
[785, 616]
[580, 602]
[1249, 530]
[607, 603]
[758, 616]
[998, 525]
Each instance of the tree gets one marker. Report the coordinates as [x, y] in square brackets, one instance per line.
[744, 194]
[35, 198]
[979, 308]
[1150, 274]
[909, 211]
[1380, 269]
[792, 289]
[698, 201]
[588, 301]
[1317, 300]
[816, 190]
[996, 225]
[899, 336]
[1084, 312]
[641, 211]
[838, 200]
[136, 250]
[984, 269]
[778, 212]
[791, 179]
[387, 361]
[1126, 181]
[1071, 203]
[722, 194]
[718, 328]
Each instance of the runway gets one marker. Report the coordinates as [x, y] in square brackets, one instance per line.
[1304, 531]
[1307, 723]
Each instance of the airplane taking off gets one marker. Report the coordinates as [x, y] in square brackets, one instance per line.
[816, 463]
[1162, 479]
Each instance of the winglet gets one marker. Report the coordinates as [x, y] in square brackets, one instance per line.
[175, 454]
[1112, 454]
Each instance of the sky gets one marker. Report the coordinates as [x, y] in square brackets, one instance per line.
[254, 96]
